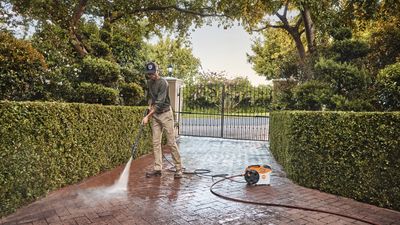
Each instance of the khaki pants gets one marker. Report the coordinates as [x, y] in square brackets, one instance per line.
[164, 121]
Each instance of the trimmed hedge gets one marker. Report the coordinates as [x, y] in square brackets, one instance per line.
[45, 146]
[356, 155]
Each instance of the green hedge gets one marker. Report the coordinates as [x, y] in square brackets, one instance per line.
[45, 146]
[356, 155]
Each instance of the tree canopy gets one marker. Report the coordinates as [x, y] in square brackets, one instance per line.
[333, 53]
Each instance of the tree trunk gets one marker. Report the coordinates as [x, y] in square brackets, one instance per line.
[309, 28]
[299, 44]
[295, 34]
[305, 73]
[73, 37]
[77, 44]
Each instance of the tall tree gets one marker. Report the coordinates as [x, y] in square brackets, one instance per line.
[178, 54]
[274, 55]
[176, 15]
[292, 16]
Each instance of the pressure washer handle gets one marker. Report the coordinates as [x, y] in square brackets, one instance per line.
[141, 127]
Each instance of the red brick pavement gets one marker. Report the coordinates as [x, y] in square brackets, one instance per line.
[164, 200]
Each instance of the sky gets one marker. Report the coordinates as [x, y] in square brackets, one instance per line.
[222, 49]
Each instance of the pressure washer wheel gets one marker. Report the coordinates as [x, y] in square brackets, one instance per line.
[251, 177]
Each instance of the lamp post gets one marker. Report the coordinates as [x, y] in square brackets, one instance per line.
[170, 68]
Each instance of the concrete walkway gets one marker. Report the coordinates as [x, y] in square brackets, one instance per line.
[164, 200]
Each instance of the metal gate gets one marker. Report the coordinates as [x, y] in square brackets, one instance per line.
[224, 110]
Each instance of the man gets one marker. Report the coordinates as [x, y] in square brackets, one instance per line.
[162, 118]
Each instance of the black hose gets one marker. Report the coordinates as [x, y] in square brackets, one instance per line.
[281, 205]
[226, 177]
[202, 172]
[194, 172]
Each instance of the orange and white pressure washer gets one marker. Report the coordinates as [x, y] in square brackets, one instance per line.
[258, 175]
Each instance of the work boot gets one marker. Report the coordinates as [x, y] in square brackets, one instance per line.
[154, 173]
[178, 174]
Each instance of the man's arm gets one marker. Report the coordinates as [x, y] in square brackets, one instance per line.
[149, 115]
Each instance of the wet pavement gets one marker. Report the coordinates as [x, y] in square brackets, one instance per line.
[163, 200]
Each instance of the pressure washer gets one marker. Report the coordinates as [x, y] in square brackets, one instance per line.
[258, 174]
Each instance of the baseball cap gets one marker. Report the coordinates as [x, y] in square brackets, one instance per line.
[151, 67]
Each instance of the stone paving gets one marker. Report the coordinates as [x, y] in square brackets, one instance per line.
[164, 200]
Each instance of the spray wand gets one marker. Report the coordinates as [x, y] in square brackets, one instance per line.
[141, 127]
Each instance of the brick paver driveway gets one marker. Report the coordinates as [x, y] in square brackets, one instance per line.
[188, 201]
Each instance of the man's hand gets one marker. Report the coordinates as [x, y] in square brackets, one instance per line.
[150, 112]
[145, 120]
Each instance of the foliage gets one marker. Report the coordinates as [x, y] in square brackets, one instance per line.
[175, 53]
[236, 95]
[354, 155]
[100, 71]
[348, 50]
[385, 44]
[61, 83]
[341, 33]
[131, 93]
[127, 45]
[68, 31]
[282, 94]
[67, 71]
[99, 48]
[21, 69]
[46, 146]
[52, 41]
[212, 78]
[344, 79]
[176, 15]
[341, 103]
[97, 93]
[313, 95]
[263, 98]
[389, 87]
[275, 56]
[360, 13]
[365, 36]
[131, 75]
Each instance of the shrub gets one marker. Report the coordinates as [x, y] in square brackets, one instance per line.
[312, 95]
[46, 146]
[100, 71]
[385, 45]
[350, 49]
[341, 33]
[105, 36]
[97, 93]
[21, 69]
[350, 154]
[133, 76]
[345, 79]
[340, 102]
[131, 93]
[99, 48]
[282, 94]
[389, 87]
[61, 83]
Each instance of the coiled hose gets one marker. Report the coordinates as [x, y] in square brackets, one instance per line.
[281, 205]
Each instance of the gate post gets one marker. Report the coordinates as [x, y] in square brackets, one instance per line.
[222, 110]
[175, 96]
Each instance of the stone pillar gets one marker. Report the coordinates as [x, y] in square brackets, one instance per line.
[175, 96]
